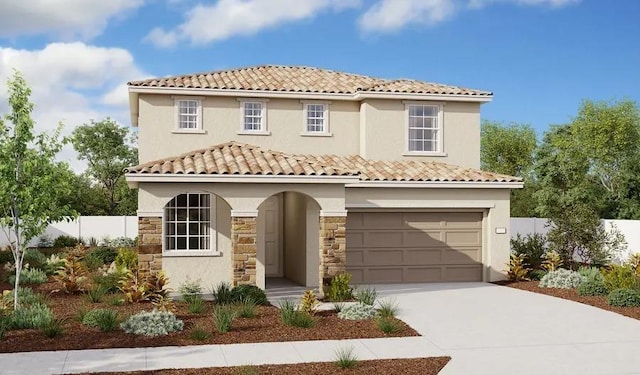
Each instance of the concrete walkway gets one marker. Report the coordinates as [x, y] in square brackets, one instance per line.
[486, 329]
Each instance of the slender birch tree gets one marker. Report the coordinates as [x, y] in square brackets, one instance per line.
[31, 180]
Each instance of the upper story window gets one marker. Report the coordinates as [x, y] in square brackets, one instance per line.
[254, 116]
[316, 118]
[188, 114]
[424, 128]
[189, 220]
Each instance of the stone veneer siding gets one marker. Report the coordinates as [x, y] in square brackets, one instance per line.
[333, 247]
[150, 243]
[243, 233]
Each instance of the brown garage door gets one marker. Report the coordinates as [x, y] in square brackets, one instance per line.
[409, 247]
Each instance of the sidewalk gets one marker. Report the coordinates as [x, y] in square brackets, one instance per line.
[134, 359]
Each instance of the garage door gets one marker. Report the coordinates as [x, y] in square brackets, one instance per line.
[410, 247]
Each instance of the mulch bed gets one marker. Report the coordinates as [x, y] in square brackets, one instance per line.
[572, 294]
[413, 366]
[265, 327]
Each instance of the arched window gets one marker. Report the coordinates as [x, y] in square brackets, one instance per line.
[189, 222]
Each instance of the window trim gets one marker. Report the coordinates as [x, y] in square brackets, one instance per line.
[264, 130]
[440, 118]
[176, 104]
[213, 233]
[326, 132]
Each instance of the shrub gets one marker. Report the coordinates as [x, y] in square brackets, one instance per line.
[516, 270]
[592, 288]
[34, 258]
[127, 258]
[552, 261]
[634, 263]
[152, 323]
[116, 301]
[53, 264]
[357, 311]
[338, 306]
[624, 297]
[65, 241]
[561, 278]
[195, 305]
[537, 275]
[5, 325]
[53, 329]
[620, 277]
[308, 302]
[388, 324]
[387, 308]
[95, 294]
[109, 281]
[346, 358]
[367, 296]
[339, 289]
[164, 304]
[6, 256]
[105, 254]
[120, 242]
[30, 276]
[26, 296]
[90, 318]
[138, 286]
[36, 315]
[223, 317]
[45, 241]
[222, 293]
[241, 292]
[294, 318]
[199, 334]
[591, 274]
[531, 247]
[72, 276]
[190, 289]
[247, 308]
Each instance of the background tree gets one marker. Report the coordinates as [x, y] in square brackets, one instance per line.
[509, 149]
[106, 147]
[30, 178]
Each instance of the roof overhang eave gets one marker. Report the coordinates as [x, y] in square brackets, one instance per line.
[438, 184]
[133, 179]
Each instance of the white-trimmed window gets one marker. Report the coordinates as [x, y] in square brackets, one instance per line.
[316, 118]
[189, 220]
[254, 116]
[188, 114]
[424, 128]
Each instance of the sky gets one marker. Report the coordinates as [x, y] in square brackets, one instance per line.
[540, 58]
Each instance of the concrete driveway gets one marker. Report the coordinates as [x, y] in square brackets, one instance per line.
[489, 329]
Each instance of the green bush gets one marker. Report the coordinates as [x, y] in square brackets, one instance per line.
[110, 282]
[105, 254]
[388, 324]
[223, 317]
[387, 308]
[532, 246]
[294, 318]
[90, 318]
[537, 275]
[5, 325]
[127, 258]
[199, 334]
[624, 297]
[358, 311]
[592, 288]
[26, 296]
[346, 358]
[32, 316]
[190, 289]
[96, 294]
[6, 256]
[53, 329]
[367, 296]
[30, 276]
[35, 259]
[243, 291]
[222, 293]
[247, 308]
[561, 278]
[195, 305]
[65, 241]
[620, 277]
[339, 289]
[152, 323]
[591, 274]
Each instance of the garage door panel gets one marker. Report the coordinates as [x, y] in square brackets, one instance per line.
[423, 239]
[390, 247]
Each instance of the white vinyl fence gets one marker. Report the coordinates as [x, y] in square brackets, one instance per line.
[87, 227]
[630, 229]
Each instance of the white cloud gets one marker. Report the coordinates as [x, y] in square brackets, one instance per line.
[72, 83]
[66, 18]
[393, 15]
[227, 18]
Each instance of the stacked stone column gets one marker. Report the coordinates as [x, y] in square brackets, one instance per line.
[150, 243]
[333, 247]
[243, 233]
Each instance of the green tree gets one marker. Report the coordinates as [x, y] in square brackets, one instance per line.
[106, 147]
[509, 149]
[30, 178]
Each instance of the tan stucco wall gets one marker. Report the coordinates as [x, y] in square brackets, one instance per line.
[221, 122]
[493, 202]
[295, 218]
[384, 136]
[208, 270]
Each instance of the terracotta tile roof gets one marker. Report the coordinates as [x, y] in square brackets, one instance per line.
[301, 79]
[235, 158]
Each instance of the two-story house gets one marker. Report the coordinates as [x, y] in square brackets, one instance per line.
[302, 173]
